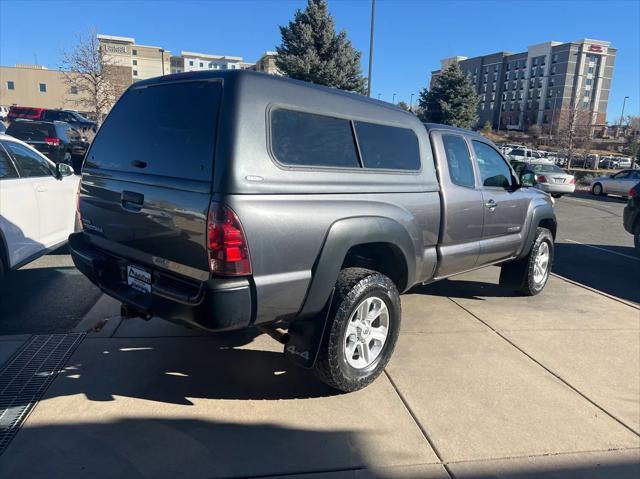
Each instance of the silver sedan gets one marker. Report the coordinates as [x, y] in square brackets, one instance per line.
[552, 179]
[616, 184]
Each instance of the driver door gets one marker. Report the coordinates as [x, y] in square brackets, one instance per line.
[54, 197]
[505, 207]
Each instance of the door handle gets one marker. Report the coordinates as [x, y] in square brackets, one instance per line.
[491, 204]
[132, 201]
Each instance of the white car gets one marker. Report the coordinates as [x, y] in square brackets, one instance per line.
[4, 111]
[528, 156]
[37, 203]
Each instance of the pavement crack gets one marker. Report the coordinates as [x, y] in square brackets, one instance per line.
[422, 429]
[554, 374]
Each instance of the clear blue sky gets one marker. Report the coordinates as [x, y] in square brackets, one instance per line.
[411, 36]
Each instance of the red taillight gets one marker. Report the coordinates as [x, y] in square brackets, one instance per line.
[52, 141]
[226, 243]
[633, 192]
[541, 178]
[572, 181]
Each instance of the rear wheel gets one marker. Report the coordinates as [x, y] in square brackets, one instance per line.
[530, 274]
[597, 189]
[361, 331]
[556, 195]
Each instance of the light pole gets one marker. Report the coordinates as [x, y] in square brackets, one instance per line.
[394, 99]
[373, 17]
[500, 111]
[553, 113]
[411, 103]
[624, 102]
[162, 59]
[379, 95]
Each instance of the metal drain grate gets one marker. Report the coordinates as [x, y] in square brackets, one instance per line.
[26, 376]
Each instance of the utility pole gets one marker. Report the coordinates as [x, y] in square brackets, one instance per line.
[162, 59]
[622, 114]
[373, 17]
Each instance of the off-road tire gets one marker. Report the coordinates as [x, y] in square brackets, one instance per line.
[519, 274]
[597, 189]
[353, 286]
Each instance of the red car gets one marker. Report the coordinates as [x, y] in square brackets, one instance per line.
[25, 112]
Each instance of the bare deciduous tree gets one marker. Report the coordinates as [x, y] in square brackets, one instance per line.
[89, 72]
[573, 130]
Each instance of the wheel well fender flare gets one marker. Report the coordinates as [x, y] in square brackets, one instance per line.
[541, 216]
[343, 235]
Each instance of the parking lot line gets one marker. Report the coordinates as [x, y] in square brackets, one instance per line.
[603, 249]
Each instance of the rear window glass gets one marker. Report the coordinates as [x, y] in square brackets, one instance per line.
[458, 160]
[387, 147]
[306, 139]
[546, 169]
[166, 130]
[31, 130]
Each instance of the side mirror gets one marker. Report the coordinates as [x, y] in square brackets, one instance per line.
[62, 170]
[528, 178]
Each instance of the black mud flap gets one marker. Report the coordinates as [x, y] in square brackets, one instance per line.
[305, 337]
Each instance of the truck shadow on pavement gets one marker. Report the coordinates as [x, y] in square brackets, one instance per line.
[464, 289]
[180, 370]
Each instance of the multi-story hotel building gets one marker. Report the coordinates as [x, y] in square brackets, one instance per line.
[539, 86]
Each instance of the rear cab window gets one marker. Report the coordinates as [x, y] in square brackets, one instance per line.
[166, 130]
[313, 140]
[458, 160]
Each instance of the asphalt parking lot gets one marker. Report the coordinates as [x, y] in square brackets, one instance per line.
[483, 383]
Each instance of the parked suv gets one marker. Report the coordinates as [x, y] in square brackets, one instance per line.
[73, 118]
[631, 215]
[226, 200]
[55, 139]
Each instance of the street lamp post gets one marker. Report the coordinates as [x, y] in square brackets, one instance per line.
[394, 99]
[624, 102]
[379, 95]
[411, 103]
[162, 59]
[373, 17]
[553, 113]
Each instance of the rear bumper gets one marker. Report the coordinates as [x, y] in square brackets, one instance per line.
[556, 187]
[216, 304]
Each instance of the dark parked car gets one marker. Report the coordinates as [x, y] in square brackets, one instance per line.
[228, 200]
[631, 215]
[73, 118]
[55, 139]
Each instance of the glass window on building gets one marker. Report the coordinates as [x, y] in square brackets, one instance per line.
[135, 62]
[508, 66]
[42, 87]
[11, 85]
[495, 76]
[535, 62]
[554, 58]
[495, 68]
[551, 81]
[493, 88]
[589, 81]
[201, 64]
[486, 69]
[585, 104]
[591, 69]
[135, 73]
[485, 78]
[134, 52]
[491, 106]
[190, 63]
[73, 90]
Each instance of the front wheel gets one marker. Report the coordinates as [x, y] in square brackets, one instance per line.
[362, 330]
[530, 274]
[597, 189]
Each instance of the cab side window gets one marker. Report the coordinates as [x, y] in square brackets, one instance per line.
[7, 170]
[494, 171]
[29, 164]
[458, 160]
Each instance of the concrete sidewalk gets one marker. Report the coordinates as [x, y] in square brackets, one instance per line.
[482, 384]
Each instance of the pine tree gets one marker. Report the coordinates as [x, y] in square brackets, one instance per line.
[452, 100]
[312, 51]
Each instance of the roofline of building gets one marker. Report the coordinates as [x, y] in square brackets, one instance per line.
[210, 56]
[116, 38]
[151, 46]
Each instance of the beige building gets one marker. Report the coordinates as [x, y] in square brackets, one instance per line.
[35, 85]
[267, 64]
[143, 61]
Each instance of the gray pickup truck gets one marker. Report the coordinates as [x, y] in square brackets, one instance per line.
[229, 200]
